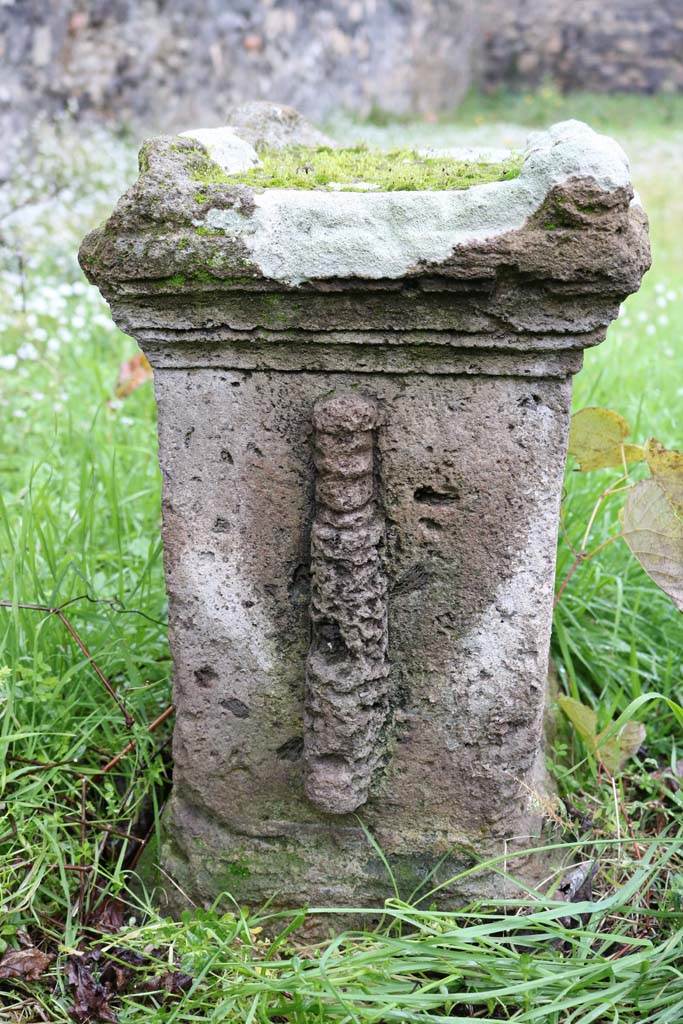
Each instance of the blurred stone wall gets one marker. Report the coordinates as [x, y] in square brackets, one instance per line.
[167, 64]
[600, 45]
[173, 63]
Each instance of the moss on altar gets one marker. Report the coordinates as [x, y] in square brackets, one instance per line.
[358, 169]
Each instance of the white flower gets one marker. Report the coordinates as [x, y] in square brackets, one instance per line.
[659, 287]
[27, 351]
[53, 345]
[20, 414]
[8, 362]
[37, 396]
[662, 319]
[671, 295]
[661, 301]
[650, 329]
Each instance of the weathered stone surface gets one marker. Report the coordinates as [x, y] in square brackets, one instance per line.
[346, 703]
[447, 325]
[263, 123]
[226, 147]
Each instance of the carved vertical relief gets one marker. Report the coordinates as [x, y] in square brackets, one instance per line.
[347, 668]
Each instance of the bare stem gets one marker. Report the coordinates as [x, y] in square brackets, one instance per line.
[77, 639]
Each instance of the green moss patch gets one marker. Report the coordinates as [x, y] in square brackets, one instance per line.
[359, 169]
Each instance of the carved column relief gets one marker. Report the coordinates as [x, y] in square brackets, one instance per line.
[346, 673]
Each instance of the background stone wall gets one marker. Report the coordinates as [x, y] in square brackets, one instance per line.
[601, 45]
[171, 63]
[166, 64]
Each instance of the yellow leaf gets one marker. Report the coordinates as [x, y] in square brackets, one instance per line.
[132, 374]
[582, 718]
[596, 439]
[666, 467]
[612, 752]
[654, 533]
[615, 752]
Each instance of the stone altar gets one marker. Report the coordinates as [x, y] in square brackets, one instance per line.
[363, 406]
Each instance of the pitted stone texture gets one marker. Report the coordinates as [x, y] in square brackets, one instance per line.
[346, 701]
[574, 187]
[462, 317]
[471, 471]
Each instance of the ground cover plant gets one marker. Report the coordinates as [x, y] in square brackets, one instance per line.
[83, 777]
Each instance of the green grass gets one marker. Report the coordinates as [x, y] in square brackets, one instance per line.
[542, 107]
[79, 520]
[357, 168]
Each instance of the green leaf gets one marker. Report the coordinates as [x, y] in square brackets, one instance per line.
[654, 533]
[666, 467]
[596, 439]
[611, 751]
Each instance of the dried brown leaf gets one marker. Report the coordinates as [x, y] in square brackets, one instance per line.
[26, 964]
[132, 374]
[109, 916]
[91, 998]
[173, 983]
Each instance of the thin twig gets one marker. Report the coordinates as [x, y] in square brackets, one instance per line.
[159, 720]
[582, 555]
[101, 827]
[44, 765]
[131, 789]
[115, 605]
[615, 488]
[580, 558]
[73, 633]
[129, 720]
[143, 842]
[84, 827]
